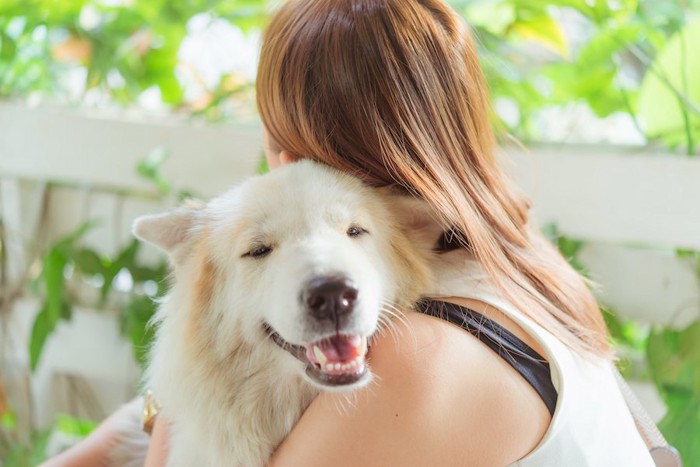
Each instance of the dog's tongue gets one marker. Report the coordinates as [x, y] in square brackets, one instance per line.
[338, 354]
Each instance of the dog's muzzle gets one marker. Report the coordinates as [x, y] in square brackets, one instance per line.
[337, 358]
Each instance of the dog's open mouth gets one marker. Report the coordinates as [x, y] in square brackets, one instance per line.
[335, 361]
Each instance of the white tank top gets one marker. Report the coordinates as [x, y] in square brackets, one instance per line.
[591, 425]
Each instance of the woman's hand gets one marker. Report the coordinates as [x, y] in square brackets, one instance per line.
[95, 449]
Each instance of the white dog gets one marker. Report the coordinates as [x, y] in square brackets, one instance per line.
[278, 286]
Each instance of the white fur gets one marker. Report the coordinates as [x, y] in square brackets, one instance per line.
[230, 393]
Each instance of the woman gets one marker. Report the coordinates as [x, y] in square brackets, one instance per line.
[392, 92]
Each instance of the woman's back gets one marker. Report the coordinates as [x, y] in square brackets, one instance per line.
[592, 425]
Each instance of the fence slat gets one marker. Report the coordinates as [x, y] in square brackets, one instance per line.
[60, 145]
[624, 196]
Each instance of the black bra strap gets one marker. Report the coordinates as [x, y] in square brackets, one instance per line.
[517, 353]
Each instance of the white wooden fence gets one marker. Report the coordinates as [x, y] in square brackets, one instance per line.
[632, 208]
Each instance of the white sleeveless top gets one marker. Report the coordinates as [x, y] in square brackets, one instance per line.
[591, 425]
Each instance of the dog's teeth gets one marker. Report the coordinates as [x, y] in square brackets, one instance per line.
[363, 346]
[320, 356]
[353, 363]
[329, 367]
[337, 366]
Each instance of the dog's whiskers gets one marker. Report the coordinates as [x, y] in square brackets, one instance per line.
[393, 318]
[346, 403]
[387, 325]
[394, 312]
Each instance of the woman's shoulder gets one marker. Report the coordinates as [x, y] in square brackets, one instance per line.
[438, 396]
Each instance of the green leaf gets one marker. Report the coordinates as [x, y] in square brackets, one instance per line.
[544, 30]
[21, 455]
[68, 242]
[263, 167]
[602, 48]
[66, 310]
[664, 364]
[8, 47]
[568, 247]
[681, 427]
[136, 325]
[495, 17]
[44, 325]
[613, 323]
[160, 63]
[127, 257]
[141, 273]
[89, 262]
[74, 426]
[550, 231]
[125, 260]
[676, 70]
[8, 420]
[54, 264]
[149, 168]
[689, 344]
[684, 253]
[674, 361]
[185, 194]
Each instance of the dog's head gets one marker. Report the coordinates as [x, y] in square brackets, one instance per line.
[306, 259]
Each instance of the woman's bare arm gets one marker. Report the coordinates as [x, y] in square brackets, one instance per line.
[440, 398]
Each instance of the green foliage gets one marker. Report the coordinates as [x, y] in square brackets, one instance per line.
[68, 259]
[567, 246]
[27, 455]
[638, 59]
[263, 166]
[149, 168]
[669, 100]
[626, 333]
[74, 426]
[674, 361]
[8, 420]
[66, 262]
[33, 453]
[56, 304]
[124, 48]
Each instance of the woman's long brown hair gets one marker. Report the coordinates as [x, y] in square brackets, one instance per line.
[392, 91]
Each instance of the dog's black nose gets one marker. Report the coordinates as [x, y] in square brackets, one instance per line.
[330, 297]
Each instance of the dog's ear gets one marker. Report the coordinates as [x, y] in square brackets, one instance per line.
[169, 231]
[418, 219]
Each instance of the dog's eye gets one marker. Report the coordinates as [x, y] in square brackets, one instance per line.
[356, 231]
[259, 252]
